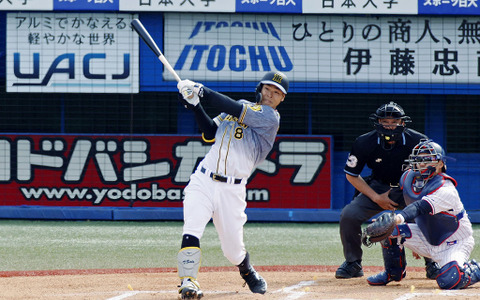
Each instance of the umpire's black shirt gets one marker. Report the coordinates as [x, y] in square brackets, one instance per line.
[386, 165]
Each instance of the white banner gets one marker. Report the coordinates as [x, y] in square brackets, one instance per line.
[26, 5]
[71, 53]
[360, 7]
[179, 5]
[308, 48]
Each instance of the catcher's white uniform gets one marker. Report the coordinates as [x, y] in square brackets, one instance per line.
[452, 243]
[442, 230]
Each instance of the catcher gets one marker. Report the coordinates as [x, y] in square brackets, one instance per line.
[442, 229]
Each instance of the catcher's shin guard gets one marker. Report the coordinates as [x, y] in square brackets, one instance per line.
[453, 277]
[394, 261]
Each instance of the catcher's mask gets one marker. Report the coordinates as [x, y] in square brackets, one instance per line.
[388, 134]
[277, 79]
[424, 160]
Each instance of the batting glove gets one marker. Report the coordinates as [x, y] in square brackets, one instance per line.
[194, 86]
[190, 96]
[191, 93]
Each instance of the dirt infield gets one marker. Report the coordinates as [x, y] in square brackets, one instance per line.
[284, 282]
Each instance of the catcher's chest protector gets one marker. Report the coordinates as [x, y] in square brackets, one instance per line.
[411, 195]
[436, 228]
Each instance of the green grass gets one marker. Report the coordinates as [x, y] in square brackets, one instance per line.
[47, 245]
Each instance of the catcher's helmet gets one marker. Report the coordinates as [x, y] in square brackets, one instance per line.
[277, 79]
[424, 159]
[389, 111]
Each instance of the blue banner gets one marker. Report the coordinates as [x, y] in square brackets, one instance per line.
[108, 5]
[447, 7]
[269, 6]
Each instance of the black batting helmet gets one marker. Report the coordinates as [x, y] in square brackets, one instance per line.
[277, 79]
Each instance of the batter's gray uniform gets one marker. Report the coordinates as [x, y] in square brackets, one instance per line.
[240, 145]
[244, 134]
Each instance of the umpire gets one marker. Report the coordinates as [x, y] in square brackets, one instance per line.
[384, 150]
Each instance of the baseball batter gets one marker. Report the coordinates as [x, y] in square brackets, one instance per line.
[442, 230]
[243, 136]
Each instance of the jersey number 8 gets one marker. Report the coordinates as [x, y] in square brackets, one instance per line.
[238, 133]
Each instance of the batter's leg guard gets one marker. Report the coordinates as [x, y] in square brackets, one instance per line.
[452, 276]
[189, 259]
[394, 261]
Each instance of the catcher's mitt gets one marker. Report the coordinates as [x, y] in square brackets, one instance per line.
[379, 230]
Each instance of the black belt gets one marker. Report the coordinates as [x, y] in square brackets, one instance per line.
[219, 178]
[391, 184]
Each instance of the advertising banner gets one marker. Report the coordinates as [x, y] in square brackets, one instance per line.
[71, 53]
[111, 5]
[376, 7]
[407, 7]
[448, 7]
[151, 171]
[269, 6]
[26, 5]
[324, 48]
[178, 5]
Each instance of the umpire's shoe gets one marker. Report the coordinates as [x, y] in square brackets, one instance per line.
[255, 282]
[383, 278]
[349, 270]
[190, 289]
[432, 269]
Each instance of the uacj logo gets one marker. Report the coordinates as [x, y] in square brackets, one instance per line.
[57, 66]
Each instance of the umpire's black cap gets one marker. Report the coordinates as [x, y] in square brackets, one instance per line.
[278, 79]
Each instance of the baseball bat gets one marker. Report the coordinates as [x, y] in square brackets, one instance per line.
[143, 33]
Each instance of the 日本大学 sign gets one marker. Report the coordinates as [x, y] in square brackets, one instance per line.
[377, 7]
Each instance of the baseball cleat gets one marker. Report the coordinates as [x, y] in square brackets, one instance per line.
[432, 269]
[349, 270]
[383, 278]
[255, 282]
[472, 269]
[190, 289]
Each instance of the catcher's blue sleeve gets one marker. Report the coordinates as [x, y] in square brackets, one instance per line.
[416, 209]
